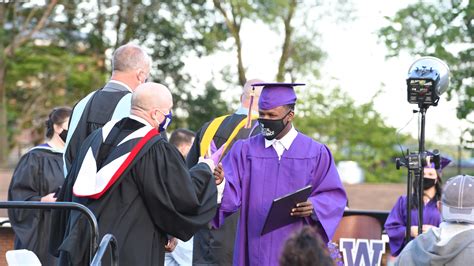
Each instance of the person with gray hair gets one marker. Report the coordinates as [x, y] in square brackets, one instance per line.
[130, 67]
[215, 138]
[138, 186]
[453, 242]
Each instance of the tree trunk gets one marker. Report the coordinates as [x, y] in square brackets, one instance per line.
[240, 63]
[3, 115]
[285, 52]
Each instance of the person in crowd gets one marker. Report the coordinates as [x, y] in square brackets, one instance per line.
[397, 219]
[452, 243]
[216, 246]
[37, 177]
[130, 67]
[305, 248]
[182, 139]
[138, 186]
[270, 165]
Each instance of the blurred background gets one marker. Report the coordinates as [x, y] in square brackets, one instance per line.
[353, 55]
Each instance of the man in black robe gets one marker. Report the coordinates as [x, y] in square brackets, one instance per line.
[216, 246]
[130, 68]
[137, 185]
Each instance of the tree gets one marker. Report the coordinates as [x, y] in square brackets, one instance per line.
[353, 132]
[443, 29]
[67, 58]
[19, 22]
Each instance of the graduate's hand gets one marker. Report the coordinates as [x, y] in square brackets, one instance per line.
[427, 227]
[219, 174]
[171, 245]
[302, 209]
[48, 198]
[209, 162]
[414, 230]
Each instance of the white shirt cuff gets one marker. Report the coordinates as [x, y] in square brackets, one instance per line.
[220, 191]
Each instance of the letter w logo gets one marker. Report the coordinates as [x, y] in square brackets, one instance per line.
[359, 252]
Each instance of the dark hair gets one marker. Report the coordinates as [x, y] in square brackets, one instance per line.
[305, 248]
[56, 117]
[181, 136]
[290, 106]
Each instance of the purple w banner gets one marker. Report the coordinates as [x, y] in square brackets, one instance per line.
[362, 251]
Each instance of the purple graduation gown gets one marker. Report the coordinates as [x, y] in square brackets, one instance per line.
[255, 176]
[396, 222]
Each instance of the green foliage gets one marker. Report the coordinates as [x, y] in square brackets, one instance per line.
[353, 132]
[43, 77]
[202, 108]
[444, 29]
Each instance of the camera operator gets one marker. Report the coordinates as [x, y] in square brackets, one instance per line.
[397, 219]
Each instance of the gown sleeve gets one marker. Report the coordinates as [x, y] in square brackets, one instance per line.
[233, 164]
[180, 201]
[396, 226]
[25, 186]
[328, 196]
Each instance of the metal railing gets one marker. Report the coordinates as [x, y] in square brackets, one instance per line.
[94, 228]
[114, 256]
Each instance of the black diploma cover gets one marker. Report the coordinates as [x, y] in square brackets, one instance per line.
[279, 214]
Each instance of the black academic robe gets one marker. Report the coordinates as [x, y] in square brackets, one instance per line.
[156, 196]
[97, 111]
[216, 246]
[39, 173]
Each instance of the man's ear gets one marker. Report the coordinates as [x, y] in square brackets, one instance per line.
[291, 115]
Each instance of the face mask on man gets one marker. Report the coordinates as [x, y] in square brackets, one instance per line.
[63, 135]
[272, 127]
[166, 122]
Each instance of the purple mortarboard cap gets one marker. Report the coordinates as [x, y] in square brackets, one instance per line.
[276, 94]
[443, 162]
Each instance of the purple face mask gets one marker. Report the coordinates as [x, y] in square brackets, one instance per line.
[166, 122]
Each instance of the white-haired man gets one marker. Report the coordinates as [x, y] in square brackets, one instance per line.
[130, 67]
[216, 246]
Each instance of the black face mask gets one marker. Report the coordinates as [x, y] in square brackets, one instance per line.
[272, 127]
[428, 183]
[63, 135]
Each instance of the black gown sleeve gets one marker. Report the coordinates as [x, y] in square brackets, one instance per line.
[180, 201]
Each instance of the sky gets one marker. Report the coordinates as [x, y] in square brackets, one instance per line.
[355, 61]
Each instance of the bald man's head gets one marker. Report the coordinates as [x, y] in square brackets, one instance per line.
[247, 90]
[152, 95]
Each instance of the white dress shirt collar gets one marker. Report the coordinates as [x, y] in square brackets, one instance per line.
[139, 119]
[280, 145]
[121, 83]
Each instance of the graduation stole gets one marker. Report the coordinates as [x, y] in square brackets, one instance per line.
[211, 132]
[92, 182]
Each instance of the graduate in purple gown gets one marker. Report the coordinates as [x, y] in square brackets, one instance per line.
[396, 221]
[267, 166]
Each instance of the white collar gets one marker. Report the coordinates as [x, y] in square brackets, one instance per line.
[121, 83]
[245, 111]
[139, 119]
[285, 140]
